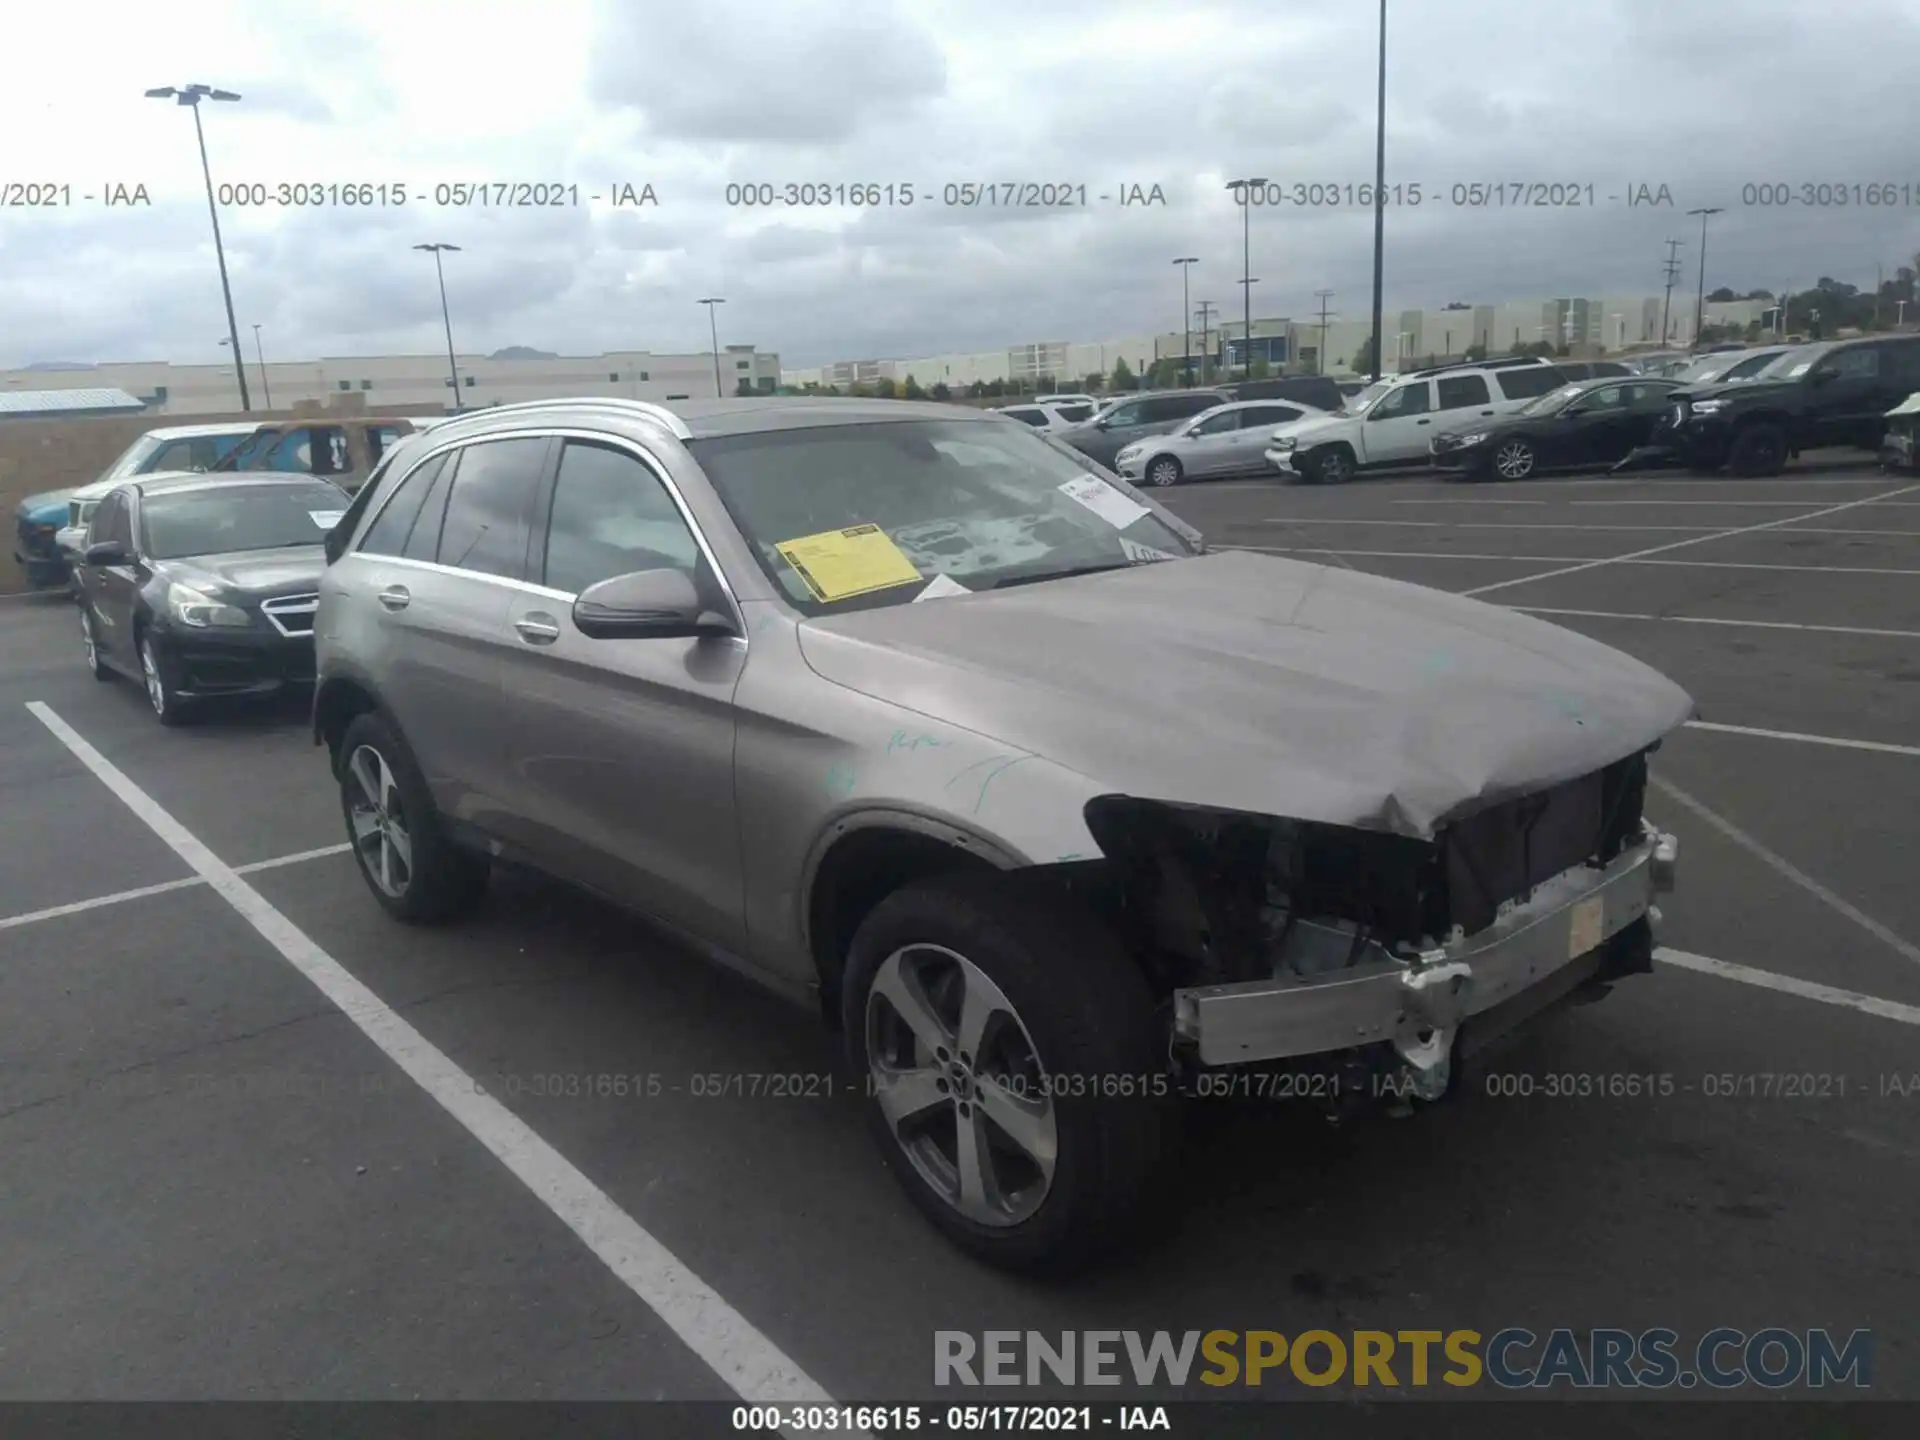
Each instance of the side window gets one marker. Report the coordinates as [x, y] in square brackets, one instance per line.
[1261, 415]
[1221, 424]
[1861, 362]
[423, 540]
[1524, 382]
[1128, 414]
[1194, 404]
[486, 523]
[1457, 392]
[1028, 416]
[1610, 367]
[1402, 400]
[1903, 361]
[119, 525]
[391, 527]
[611, 516]
[1605, 397]
[1643, 394]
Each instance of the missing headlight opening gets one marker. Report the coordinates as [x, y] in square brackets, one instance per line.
[1373, 957]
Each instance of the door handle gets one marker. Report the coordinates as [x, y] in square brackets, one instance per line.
[538, 628]
[395, 597]
[1426, 422]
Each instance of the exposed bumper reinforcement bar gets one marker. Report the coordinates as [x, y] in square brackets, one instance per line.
[1419, 1005]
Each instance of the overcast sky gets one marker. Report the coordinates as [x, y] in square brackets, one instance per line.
[1702, 96]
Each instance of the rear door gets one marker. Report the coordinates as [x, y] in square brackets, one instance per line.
[1599, 427]
[1245, 449]
[1214, 448]
[620, 751]
[430, 588]
[1845, 404]
[1462, 400]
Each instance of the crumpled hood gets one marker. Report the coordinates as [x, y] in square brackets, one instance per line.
[254, 574]
[1308, 426]
[1257, 683]
[45, 508]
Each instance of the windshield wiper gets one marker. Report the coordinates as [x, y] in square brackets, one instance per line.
[1069, 573]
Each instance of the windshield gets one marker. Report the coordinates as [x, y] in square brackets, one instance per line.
[1707, 367]
[239, 517]
[1795, 363]
[130, 459]
[846, 517]
[1750, 366]
[1366, 397]
[1553, 402]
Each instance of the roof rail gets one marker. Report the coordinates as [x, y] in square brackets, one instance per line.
[646, 409]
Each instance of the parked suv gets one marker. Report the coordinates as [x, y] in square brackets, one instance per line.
[850, 692]
[1396, 426]
[1135, 418]
[1834, 393]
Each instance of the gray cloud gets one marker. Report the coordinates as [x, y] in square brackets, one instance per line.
[1614, 93]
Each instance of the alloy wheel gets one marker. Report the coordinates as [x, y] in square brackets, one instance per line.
[381, 840]
[1514, 460]
[1164, 472]
[93, 650]
[1335, 469]
[156, 686]
[960, 1083]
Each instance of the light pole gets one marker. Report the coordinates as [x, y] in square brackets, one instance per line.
[1186, 317]
[713, 333]
[1245, 187]
[1379, 187]
[191, 96]
[1700, 301]
[266, 390]
[446, 319]
[1206, 332]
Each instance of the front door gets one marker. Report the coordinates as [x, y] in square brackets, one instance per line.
[1845, 401]
[1399, 425]
[620, 751]
[1602, 427]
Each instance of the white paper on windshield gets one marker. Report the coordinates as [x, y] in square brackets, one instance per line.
[1102, 499]
[326, 519]
[943, 585]
[1142, 554]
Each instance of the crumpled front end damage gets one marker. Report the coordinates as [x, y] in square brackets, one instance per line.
[1376, 962]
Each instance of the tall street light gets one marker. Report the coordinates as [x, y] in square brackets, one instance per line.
[191, 96]
[1379, 187]
[453, 366]
[265, 389]
[713, 333]
[1700, 302]
[1245, 187]
[1186, 318]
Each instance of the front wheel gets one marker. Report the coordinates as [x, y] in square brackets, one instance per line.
[1333, 467]
[1014, 1068]
[1759, 449]
[1163, 472]
[416, 873]
[95, 665]
[157, 671]
[1515, 460]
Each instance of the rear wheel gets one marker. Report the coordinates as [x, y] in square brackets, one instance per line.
[1015, 1083]
[1759, 449]
[1164, 471]
[414, 871]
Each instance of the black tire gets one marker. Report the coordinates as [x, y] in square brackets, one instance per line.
[443, 882]
[160, 676]
[95, 665]
[1332, 466]
[1163, 472]
[1759, 449]
[1088, 1012]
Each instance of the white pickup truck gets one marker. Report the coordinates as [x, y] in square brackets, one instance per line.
[1396, 425]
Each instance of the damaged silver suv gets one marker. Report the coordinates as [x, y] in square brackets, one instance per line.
[923, 718]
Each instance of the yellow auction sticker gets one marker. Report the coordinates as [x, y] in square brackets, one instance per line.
[839, 564]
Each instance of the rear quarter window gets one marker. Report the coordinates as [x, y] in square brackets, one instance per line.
[1528, 381]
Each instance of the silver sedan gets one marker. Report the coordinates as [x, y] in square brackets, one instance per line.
[1226, 440]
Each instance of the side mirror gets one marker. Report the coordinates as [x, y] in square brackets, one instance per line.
[1823, 377]
[663, 604]
[105, 552]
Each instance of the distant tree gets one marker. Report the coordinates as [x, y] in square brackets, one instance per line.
[940, 391]
[1363, 357]
[1043, 383]
[996, 388]
[1562, 351]
[1259, 370]
[883, 387]
[1758, 295]
[1720, 296]
[1122, 378]
[1092, 382]
[1456, 305]
[1476, 352]
[860, 392]
[977, 389]
[913, 390]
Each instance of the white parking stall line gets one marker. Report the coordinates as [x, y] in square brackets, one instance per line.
[1292, 521]
[1787, 483]
[1880, 746]
[121, 897]
[1574, 559]
[1477, 500]
[80, 907]
[1787, 870]
[1682, 544]
[1716, 620]
[1788, 985]
[1753, 504]
[751, 1364]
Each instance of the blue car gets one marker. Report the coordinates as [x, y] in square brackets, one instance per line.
[39, 518]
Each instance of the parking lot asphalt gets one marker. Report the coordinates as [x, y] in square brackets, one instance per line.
[225, 1177]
